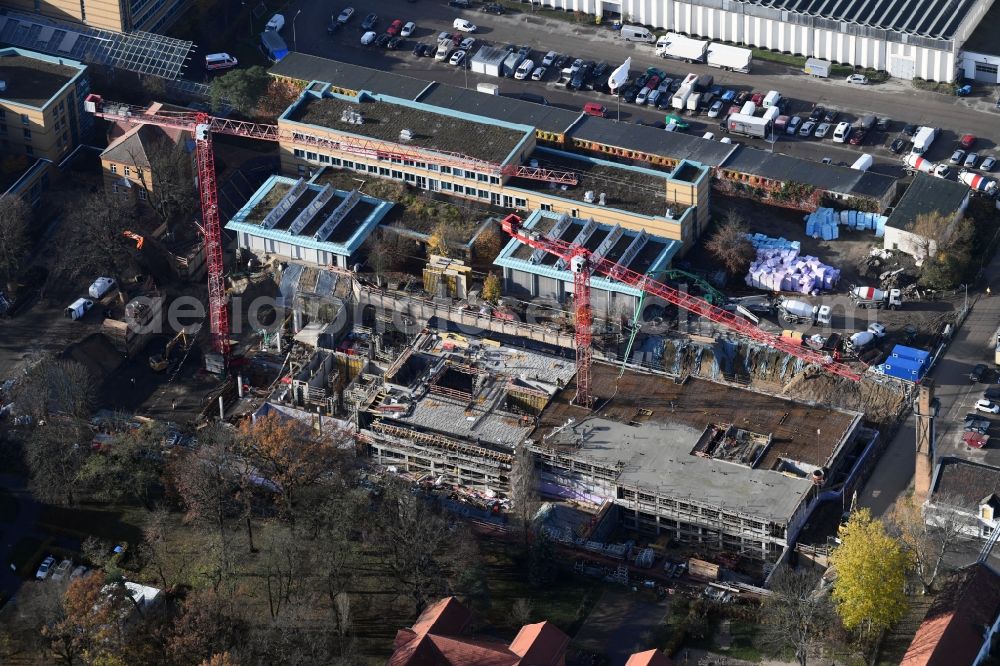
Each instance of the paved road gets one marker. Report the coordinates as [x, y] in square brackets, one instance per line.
[896, 100]
[973, 343]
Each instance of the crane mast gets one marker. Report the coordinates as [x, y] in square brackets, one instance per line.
[583, 264]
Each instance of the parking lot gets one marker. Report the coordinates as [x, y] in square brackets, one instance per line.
[896, 100]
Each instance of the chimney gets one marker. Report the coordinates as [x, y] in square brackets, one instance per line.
[924, 413]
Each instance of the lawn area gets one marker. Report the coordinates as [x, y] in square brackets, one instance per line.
[742, 647]
[566, 603]
[782, 58]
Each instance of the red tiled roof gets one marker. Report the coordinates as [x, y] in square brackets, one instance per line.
[952, 632]
[540, 644]
[447, 616]
[649, 658]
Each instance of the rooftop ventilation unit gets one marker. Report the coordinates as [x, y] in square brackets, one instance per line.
[352, 117]
[588, 196]
[405, 135]
[603, 200]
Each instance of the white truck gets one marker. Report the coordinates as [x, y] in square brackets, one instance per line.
[752, 126]
[817, 67]
[863, 163]
[872, 297]
[923, 139]
[693, 100]
[680, 98]
[799, 312]
[915, 163]
[748, 109]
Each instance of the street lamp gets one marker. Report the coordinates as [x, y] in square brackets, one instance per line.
[249, 15]
[295, 42]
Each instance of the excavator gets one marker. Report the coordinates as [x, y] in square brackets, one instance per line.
[159, 362]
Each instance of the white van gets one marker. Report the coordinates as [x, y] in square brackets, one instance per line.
[635, 33]
[78, 308]
[464, 26]
[842, 132]
[488, 88]
[101, 286]
[214, 61]
[524, 70]
[771, 99]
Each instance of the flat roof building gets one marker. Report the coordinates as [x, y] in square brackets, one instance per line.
[462, 154]
[925, 195]
[702, 462]
[310, 223]
[536, 274]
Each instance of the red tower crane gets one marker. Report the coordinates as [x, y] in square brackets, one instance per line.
[203, 126]
[583, 263]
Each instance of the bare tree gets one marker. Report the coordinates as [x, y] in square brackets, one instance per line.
[166, 177]
[15, 215]
[796, 614]
[524, 490]
[54, 459]
[520, 612]
[730, 245]
[415, 544]
[91, 240]
[929, 537]
[53, 387]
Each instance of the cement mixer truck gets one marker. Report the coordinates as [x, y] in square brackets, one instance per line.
[870, 297]
[915, 163]
[979, 183]
[800, 312]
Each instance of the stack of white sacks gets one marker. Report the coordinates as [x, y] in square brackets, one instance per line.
[779, 267]
[825, 223]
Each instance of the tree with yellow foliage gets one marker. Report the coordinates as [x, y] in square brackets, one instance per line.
[491, 289]
[871, 569]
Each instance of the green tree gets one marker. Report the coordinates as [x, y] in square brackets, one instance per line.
[241, 89]
[871, 569]
[491, 289]
[130, 467]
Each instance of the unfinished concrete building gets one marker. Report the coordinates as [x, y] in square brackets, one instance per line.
[707, 464]
[453, 408]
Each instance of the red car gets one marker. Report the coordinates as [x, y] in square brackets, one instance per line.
[394, 27]
[967, 141]
[857, 137]
[757, 98]
[653, 82]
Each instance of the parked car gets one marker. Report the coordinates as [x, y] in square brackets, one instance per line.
[524, 70]
[793, 125]
[910, 130]
[61, 571]
[970, 161]
[461, 4]
[743, 97]
[368, 38]
[549, 59]
[538, 74]
[957, 157]
[493, 8]
[988, 163]
[600, 69]
[79, 571]
[897, 146]
[419, 49]
[464, 25]
[408, 29]
[345, 15]
[728, 96]
[458, 57]
[883, 124]
[858, 79]
[992, 393]
[858, 137]
[467, 43]
[664, 101]
[393, 43]
[383, 40]
[333, 26]
[653, 82]
[715, 109]
[276, 23]
[831, 116]
[43, 569]
[817, 113]
[370, 22]
[978, 373]
[560, 61]
[988, 406]
[807, 128]
[677, 121]
[642, 96]
[822, 130]
[967, 141]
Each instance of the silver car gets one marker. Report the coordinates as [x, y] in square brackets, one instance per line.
[807, 128]
[822, 130]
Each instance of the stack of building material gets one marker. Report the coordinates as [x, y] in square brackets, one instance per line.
[825, 222]
[785, 270]
[762, 242]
